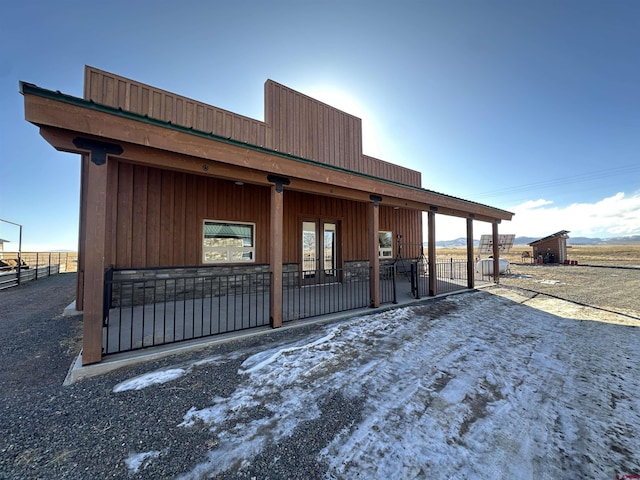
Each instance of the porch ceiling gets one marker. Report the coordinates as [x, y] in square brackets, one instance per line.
[62, 118]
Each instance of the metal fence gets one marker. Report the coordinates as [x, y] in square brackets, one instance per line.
[451, 276]
[141, 313]
[32, 266]
[311, 293]
[146, 312]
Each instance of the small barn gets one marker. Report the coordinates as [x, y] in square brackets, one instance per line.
[197, 221]
[551, 249]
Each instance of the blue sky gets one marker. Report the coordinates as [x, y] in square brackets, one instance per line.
[529, 106]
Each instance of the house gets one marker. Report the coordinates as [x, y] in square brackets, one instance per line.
[2, 242]
[551, 249]
[190, 213]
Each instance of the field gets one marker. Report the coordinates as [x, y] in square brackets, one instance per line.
[610, 255]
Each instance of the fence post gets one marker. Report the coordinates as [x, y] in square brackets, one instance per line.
[415, 279]
[37, 263]
[393, 277]
[50, 262]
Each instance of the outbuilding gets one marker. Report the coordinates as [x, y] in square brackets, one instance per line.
[551, 249]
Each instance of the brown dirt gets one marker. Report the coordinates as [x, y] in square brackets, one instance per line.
[599, 293]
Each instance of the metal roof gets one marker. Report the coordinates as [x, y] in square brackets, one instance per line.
[560, 234]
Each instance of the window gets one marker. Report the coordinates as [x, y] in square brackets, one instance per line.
[385, 245]
[225, 242]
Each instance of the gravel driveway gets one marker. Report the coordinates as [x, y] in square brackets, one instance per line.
[609, 288]
[87, 431]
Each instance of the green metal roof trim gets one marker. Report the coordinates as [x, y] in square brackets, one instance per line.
[30, 88]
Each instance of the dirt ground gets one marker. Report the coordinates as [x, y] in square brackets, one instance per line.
[480, 385]
[611, 292]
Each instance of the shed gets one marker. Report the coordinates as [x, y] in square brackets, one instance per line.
[551, 249]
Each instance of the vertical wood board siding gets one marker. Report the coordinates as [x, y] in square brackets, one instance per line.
[311, 129]
[157, 220]
[383, 169]
[114, 91]
[295, 123]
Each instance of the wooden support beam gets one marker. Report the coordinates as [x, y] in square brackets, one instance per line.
[119, 128]
[496, 253]
[145, 155]
[275, 255]
[93, 294]
[470, 258]
[431, 252]
[374, 255]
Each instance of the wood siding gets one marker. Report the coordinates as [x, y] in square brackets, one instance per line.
[119, 92]
[407, 223]
[155, 217]
[352, 220]
[381, 169]
[305, 127]
[295, 123]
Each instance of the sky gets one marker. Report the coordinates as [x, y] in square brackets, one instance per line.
[532, 107]
[484, 388]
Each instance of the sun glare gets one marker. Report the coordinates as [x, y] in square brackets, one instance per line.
[350, 104]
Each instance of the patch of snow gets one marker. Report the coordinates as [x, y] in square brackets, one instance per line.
[152, 378]
[135, 461]
[489, 388]
[163, 376]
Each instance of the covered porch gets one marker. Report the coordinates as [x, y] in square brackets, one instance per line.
[172, 185]
[141, 313]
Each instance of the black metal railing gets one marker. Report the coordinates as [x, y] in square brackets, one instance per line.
[148, 312]
[311, 293]
[388, 284]
[151, 311]
[451, 276]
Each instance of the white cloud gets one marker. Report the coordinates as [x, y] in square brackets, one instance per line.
[618, 215]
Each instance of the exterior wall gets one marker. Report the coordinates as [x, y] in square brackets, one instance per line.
[114, 91]
[352, 217]
[155, 218]
[407, 223]
[146, 286]
[553, 246]
[294, 123]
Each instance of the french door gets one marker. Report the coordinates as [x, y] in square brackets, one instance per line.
[319, 251]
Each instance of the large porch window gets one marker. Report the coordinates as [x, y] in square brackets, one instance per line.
[225, 242]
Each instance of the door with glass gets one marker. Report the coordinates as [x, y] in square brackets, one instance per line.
[319, 251]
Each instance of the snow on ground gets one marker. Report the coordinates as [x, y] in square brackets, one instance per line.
[137, 460]
[471, 386]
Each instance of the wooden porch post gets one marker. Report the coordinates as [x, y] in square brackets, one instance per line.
[94, 215]
[93, 290]
[431, 250]
[275, 251]
[496, 253]
[470, 259]
[374, 255]
[82, 237]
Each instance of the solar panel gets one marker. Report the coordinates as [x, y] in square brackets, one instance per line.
[505, 242]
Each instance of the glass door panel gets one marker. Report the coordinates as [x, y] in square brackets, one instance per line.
[329, 251]
[319, 252]
[309, 249]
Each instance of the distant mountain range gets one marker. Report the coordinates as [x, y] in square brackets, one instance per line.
[462, 241]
